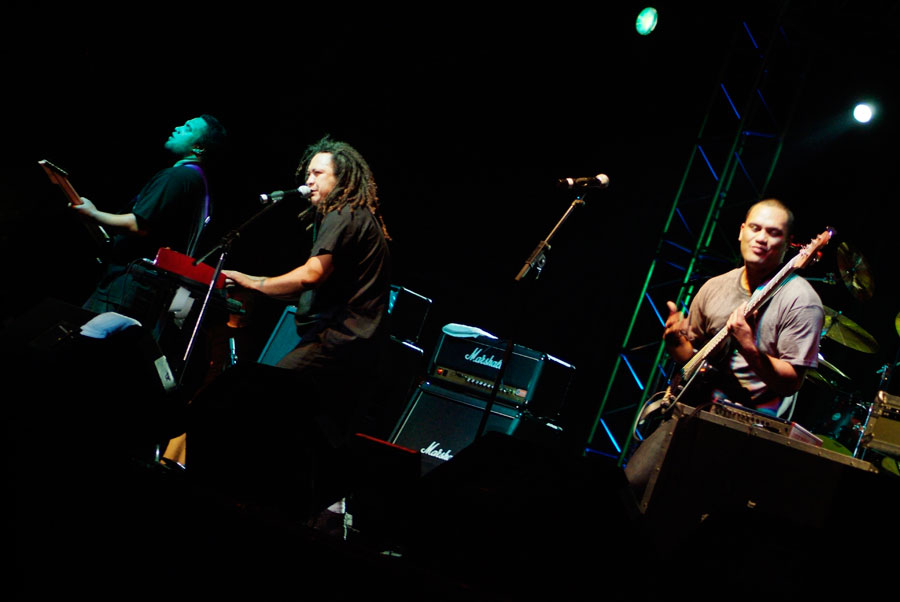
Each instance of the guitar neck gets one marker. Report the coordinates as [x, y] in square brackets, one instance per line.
[61, 178]
[763, 294]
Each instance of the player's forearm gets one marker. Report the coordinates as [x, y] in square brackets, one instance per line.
[779, 375]
[291, 283]
[126, 221]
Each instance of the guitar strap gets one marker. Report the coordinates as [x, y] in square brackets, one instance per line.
[198, 226]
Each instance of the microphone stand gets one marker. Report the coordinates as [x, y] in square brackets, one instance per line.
[536, 262]
[224, 248]
[538, 258]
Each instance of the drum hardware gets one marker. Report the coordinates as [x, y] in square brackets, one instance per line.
[828, 278]
[847, 425]
[855, 272]
[882, 426]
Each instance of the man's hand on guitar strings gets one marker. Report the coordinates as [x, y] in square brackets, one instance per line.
[743, 329]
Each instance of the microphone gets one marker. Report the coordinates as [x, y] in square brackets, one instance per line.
[601, 180]
[274, 197]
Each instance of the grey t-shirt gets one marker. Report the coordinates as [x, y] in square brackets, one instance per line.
[788, 327]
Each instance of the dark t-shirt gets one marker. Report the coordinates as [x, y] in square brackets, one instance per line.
[351, 305]
[171, 209]
[343, 323]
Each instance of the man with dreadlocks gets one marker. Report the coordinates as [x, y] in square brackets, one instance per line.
[276, 436]
[344, 285]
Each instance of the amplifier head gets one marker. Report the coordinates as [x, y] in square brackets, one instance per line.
[472, 364]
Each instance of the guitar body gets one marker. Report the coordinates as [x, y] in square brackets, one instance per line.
[712, 381]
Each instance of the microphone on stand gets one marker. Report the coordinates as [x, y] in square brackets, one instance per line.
[274, 197]
[601, 180]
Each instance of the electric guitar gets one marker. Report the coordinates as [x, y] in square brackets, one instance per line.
[59, 177]
[808, 255]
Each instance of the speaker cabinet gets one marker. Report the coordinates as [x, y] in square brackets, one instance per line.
[407, 309]
[698, 465]
[527, 522]
[439, 422]
[726, 494]
[282, 340]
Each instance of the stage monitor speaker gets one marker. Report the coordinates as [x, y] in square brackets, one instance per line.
[74, 387]
[408, 311]
[439, 422]
[729, 493]
[403, 363]
[253, 433]
[697, 465]
[282, 340]
[504, 505]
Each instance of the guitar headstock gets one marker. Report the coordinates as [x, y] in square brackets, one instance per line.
[813, 250]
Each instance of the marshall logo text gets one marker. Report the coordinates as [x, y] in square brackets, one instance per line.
[433, 451]
[477, 358]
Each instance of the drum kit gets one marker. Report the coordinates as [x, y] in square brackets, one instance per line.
[848, 414]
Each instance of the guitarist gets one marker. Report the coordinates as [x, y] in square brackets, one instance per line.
[771, 349]
[170, 211]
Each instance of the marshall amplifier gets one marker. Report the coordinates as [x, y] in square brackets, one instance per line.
[470, 363]
[439, 422]
[883, 427]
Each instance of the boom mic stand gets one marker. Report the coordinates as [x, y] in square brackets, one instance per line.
[224, 248]
[534, 264]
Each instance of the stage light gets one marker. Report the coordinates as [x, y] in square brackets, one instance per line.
[646, 21]
[863, 112]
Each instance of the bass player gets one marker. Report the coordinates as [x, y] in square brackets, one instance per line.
[772, 347]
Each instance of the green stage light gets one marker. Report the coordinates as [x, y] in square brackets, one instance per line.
[646, 21]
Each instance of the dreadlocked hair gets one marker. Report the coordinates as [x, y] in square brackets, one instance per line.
[355, 187]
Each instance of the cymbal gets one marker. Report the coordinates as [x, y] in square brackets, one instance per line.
[816, 376]
[832, 367]
[855, 272]
[845, 331]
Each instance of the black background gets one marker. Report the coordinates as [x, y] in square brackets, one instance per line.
[467, 115]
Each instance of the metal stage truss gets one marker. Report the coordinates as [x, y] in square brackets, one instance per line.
[729, 167]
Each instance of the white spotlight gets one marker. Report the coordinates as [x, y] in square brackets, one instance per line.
[863, 112]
